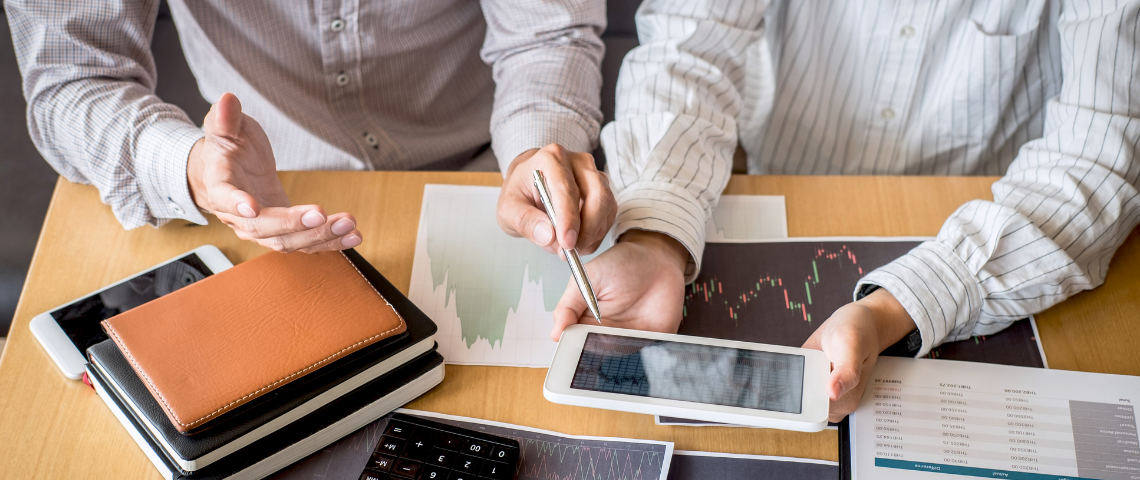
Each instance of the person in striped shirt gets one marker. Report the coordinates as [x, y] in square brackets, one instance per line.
[1045, 93]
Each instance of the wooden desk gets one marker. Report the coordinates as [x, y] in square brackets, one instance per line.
[51, 427]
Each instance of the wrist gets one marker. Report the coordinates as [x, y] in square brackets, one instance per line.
[668, 247]
[195, 173]
[892, 321]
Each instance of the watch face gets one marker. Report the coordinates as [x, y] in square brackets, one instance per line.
[80, 320]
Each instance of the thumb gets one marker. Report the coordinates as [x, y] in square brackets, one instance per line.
[225, 117]
[844, 377]
[519, 218]
[570, 308]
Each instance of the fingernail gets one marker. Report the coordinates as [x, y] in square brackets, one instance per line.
[542, 233]
[343, 226]
[312, 218]
[350, 241]
[245, 210]
[572, 238]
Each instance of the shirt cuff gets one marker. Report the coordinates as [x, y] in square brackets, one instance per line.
[665, 208]
[941, 295]
[536, 130]
[160, 159]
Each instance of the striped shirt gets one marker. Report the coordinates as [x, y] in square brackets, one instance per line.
[336, 85]
[1043, 92]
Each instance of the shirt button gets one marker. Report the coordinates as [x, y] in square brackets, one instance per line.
[907, 31]
[887, 113]
[371, 139]
[337, 25]
[341, 79]
[176, 209]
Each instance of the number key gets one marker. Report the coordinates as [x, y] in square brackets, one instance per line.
[477, 448]
[390, 445]
[497, 471]
[432, 472]
[469, 464]
[443, 458]
[506, 455]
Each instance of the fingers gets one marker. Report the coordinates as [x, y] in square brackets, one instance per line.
[519, 218]
[599, 208]
[225, 117]
[303, 228]
[571, 307]
[564, 193]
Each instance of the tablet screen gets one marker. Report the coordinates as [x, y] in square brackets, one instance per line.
[80, 320]
[691, 373]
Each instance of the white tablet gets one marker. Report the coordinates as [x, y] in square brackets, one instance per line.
[690, 377]
[66, 332]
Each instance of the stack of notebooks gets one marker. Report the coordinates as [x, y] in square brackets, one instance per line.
[246, 372]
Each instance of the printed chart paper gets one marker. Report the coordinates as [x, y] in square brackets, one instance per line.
[492, 295]
[689, 465]
[547, 454]
[929, 419]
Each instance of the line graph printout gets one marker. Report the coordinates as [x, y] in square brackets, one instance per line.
[550, 455]
[492, 295]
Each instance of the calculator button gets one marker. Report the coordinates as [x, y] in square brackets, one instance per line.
[419, 447]
[369, 475]
[398, 429]
[469, 464]
[497, 471]
[443, 458]
[500, 454]
[462, 476]
[448, 441]
[390, 445]
[477, 448]
[381, 462]
[407, 468]
[433, 472]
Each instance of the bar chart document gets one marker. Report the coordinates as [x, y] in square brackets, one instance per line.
[930, 419]
[492, 295]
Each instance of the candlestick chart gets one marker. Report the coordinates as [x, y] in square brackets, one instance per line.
[780, 292]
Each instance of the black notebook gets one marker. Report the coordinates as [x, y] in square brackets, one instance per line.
[252, 421]
[300, 438]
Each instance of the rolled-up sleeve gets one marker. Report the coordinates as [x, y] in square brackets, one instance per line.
[89, 81]
[546, 61]
[700, 68]
[1060, 212]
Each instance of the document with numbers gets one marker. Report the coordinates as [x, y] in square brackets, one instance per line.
[930, 419]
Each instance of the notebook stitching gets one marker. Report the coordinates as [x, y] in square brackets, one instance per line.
[166, 406]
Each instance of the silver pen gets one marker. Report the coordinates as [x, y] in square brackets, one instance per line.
[571, 255]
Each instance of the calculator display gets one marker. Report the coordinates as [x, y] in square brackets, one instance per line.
[691, 373]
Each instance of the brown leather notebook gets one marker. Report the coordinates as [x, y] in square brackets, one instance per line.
[226, 340]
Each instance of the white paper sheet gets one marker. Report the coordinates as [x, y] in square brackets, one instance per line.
[930, 419]
[492, 295]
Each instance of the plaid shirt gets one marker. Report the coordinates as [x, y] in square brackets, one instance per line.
[405, 84]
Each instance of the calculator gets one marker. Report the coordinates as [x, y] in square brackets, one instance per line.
[417, 449]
